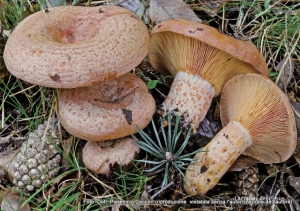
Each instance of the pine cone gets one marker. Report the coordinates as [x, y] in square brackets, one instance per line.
[247, 182]
[38, 159]
[247, 186]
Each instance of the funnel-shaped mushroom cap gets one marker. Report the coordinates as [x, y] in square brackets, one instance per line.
[70, 47]
[108, 110]
[265, 111]
[202, 61]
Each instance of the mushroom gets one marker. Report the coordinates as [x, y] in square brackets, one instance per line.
[109, 110]
[69, 47]
[101, 156]
[202, 60]
[258, 121]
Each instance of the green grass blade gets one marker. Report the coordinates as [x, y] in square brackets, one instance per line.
[169, 138]
[149, 148]
[163, 132]
[156, 134]
[155, 167]
[147, 139]
[165, 180]
[175, 133]
[180, 150]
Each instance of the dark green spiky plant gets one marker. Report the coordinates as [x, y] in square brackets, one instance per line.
[167, 155]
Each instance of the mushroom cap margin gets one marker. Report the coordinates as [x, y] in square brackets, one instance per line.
[109, 110]
[243, 50]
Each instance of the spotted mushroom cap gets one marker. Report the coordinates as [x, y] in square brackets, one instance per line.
[38, 159]
[265, 112]
[101, 156]
[109, 110]
[198, 49]
[72, 46]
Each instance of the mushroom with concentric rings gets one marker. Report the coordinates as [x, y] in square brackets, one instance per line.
[73, 46]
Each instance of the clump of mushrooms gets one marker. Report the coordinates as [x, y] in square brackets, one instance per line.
[258, 121]
[88, 49]
[109, 110]
[68, 47]
[202, 60]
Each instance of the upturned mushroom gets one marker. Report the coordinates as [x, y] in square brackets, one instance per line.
[107, 111]
[69, 47]
[258, 121]
[202, 60]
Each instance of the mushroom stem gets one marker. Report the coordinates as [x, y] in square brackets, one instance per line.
[203, 174]
[190, 96]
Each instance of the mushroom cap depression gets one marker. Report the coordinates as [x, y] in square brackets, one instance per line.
[265, 112]
[198, 49]
[69, 47]
[100, 156]
[109, 110]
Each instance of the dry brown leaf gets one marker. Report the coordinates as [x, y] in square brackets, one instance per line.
[67, 145]
[288, 67]
[136, 6]
[161, 10]
[296, 154]
[295, 182]
[272, 169]
[3, 71]
[210, 7]
[296, 108]
[11, 202]
[6, 162]
[243, 162]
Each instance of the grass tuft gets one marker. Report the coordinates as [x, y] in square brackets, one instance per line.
[165, 151]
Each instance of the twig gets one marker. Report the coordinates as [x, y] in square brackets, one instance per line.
[162, 189]
[283, 189]
[8, 140]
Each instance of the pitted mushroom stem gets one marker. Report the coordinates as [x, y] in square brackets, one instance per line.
[219, 155]
[258, 121]
[190, 96]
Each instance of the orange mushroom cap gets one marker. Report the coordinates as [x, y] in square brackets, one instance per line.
[202, 60]
[68, 47]
[258, 121]
[240, 49]
[109, 110]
